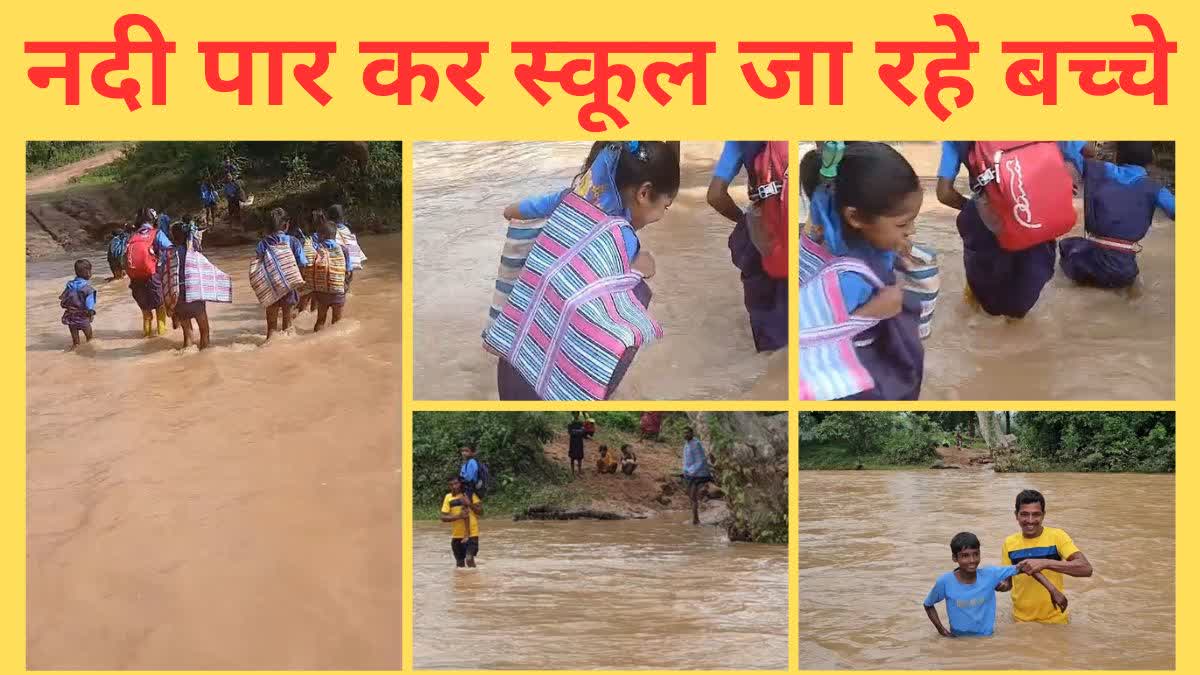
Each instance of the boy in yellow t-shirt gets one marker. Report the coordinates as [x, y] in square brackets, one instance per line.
[1042, 549]
[462, 512]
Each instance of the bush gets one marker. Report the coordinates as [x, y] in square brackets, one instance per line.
[510, 444]
[45, 155]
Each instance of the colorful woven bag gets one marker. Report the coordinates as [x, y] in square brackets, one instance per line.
[276, 275]
[572, 314]
[829, 367]
[202, 279]
[329, 270]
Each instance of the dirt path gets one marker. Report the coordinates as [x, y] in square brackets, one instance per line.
[57, 179]
[966, 458]
[654, 488]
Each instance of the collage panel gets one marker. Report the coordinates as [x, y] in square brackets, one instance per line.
[600, 540]
[213, 368]
[1037, 540]
[633, 270]
[987, 270]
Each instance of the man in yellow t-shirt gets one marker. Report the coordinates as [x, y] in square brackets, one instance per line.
[1039, 549]
[462, 512]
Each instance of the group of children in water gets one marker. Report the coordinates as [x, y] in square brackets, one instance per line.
[169, 276]
[865, 198]
[636, 183]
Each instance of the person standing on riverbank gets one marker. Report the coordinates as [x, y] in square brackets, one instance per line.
[695, 471]
[576, 432]
[1034, 549]
[462, 512]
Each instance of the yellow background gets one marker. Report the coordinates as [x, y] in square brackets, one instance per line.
[508, 112]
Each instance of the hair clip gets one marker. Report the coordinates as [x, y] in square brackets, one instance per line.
[636, 149]
[831, 155]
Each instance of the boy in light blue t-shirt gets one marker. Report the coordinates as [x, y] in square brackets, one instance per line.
[970, 591]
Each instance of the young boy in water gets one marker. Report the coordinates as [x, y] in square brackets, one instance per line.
[78, 301]
[469, 470]
[970, 591]
[462, 512]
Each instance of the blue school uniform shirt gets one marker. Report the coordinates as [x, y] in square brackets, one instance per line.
[541, 206]
[694, 462]
[856, 290]
[78, 283]
[731, 161]
[971, 609]
[469, 471]
[1128, 174]
[952, 158]
[277, 238]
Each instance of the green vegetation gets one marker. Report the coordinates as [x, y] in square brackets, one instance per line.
[1041, 441]
[46, 155]
[849, 440]
[1141, 442]
[366, 177]
[511, 444]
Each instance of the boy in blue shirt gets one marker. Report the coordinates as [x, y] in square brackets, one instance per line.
[970, 591]
[468, 473]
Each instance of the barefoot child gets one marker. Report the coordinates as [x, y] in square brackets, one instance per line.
[606, 463]
[863, 203]
[1119, 202]
[146, 247]
[331, 271]
[970, 591]
[635, 181]
[192, 282]
[280, 258]
[78, 301]
[628, 460]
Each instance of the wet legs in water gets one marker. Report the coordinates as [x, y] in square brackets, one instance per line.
[75, 332]
[323, 310]
[275, 314]
[189, 335]
[694, 488]
[148, 317]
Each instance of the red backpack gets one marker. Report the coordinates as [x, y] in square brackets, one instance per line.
[768, 172]
[1028, 187]
[142, 263]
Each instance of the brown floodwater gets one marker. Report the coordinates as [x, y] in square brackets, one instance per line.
[632, 594]
[237, 508]
[1077, 343]
[459, 193]
[873, 542]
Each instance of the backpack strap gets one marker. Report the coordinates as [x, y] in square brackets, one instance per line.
[852, 325]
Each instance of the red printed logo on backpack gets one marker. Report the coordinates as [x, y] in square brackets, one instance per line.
[1028, 187]
[142, 261]
[769, 192]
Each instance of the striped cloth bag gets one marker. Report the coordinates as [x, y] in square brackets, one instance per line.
[329, 270]
[202, 279]
[920, 280]
[306, 272]
[276, 275]
[572, 313]
[518, 241]
[348, 239]
[829, 366]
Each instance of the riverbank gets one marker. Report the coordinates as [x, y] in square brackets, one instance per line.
[653, 491]
[75, 206]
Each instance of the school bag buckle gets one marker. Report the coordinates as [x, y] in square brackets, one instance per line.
[769, 190]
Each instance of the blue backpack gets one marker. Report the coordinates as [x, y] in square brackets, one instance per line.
[118, 244]
[207, 195]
